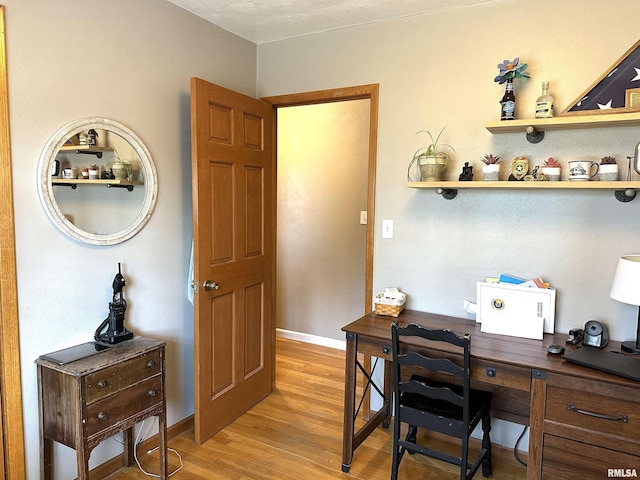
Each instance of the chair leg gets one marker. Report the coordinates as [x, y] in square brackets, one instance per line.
[487, 468]
[396, 457]
[412, 436]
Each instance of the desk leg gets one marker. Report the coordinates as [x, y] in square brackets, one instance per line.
[162, 444]
[349, 401]
[46, 450]
[127, 442]
[82, 460]
[46, 447]
[536, 422]
[388, 394]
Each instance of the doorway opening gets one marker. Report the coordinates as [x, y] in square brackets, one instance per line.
[326, 170]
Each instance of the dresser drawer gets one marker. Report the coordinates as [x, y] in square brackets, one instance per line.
[109, 380]
[583, 408]
[571, 460]
[130, 401]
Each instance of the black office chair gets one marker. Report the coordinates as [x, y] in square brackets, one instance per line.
[450, 408]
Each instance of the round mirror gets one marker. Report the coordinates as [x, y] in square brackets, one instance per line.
[97, 181]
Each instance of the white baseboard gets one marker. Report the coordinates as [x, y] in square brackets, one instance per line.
[314, 339]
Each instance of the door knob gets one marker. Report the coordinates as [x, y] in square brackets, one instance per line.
[209, 285]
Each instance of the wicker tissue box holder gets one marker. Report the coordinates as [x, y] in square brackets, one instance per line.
[390, 302]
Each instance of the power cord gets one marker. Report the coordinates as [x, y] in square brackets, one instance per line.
[515, 447]
[135, 454]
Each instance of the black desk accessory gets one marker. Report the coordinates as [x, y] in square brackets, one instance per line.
[555, 349]
[596, 334]
[71, 354]
[607, 361]
[575, 336]
[112, 330]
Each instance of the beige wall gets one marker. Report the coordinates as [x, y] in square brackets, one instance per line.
[438, 69]
[129, 61]
[322, 187]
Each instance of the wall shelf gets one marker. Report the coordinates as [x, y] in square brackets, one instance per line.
[569, 122]
[624, 191]
[88, 149]
[73, 183]
[535, 127]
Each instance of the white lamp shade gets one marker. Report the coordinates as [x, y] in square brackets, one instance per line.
[626, 282]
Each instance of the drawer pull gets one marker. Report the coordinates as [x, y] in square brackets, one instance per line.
[619, 418]
[102, 416]
[151, 393]
[102, 384]
[151, 364]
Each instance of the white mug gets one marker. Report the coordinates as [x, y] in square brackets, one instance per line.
[581, 170]
[69, 173]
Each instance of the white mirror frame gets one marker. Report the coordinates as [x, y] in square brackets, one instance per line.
[45, 187]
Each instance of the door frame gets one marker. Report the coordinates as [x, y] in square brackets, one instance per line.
[371, 92]
[13, 462]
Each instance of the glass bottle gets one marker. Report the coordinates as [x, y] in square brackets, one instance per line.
[508, 102]
[544, 103]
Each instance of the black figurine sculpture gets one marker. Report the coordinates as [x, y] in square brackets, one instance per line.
[467, 173]
[114, 323]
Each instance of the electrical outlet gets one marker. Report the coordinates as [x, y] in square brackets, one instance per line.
[363, 217]
[387, 228]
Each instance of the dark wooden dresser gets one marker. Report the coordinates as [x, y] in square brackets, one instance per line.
[86, 401]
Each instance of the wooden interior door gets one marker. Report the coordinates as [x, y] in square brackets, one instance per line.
[234, 253]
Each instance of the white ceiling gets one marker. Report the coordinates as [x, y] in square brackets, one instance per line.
[262, 21]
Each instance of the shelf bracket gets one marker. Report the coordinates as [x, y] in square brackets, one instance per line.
[113, 185]
[448, 193]
[86, 152]
[533, 135]
[72, 185]
[625, 195]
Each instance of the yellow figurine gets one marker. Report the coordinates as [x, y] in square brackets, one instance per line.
[519, 168]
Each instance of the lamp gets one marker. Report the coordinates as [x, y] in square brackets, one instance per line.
[626, 289]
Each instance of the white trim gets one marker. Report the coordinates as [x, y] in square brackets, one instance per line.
[314, 339]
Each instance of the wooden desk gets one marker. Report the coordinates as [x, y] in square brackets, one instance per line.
[581, 442]
[91, 399]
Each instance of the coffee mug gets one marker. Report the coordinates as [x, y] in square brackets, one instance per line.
[69, 173]
[581, 170]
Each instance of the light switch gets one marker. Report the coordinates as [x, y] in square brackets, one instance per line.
[387, 228]
[363, 217]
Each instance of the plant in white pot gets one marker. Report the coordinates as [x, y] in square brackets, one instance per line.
[93, 171]
[491, 168]
[608, 170]
[431, 160]
[121, 169]
[552, 169]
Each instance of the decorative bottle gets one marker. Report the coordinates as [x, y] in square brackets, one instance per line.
[544, 103]
[508, 102]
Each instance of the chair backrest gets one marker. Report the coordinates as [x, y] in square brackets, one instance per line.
[414, 360]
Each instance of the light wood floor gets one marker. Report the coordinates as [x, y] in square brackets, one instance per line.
[296, 433]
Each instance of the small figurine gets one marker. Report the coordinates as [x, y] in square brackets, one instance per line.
[536, 176]
[467, 173]
[519, 168]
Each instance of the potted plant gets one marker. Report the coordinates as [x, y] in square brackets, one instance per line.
[121, 169]
[85, 173]
[491, 167]
[552, 169]
[608, 171]
[93, 172]
[431, 160]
